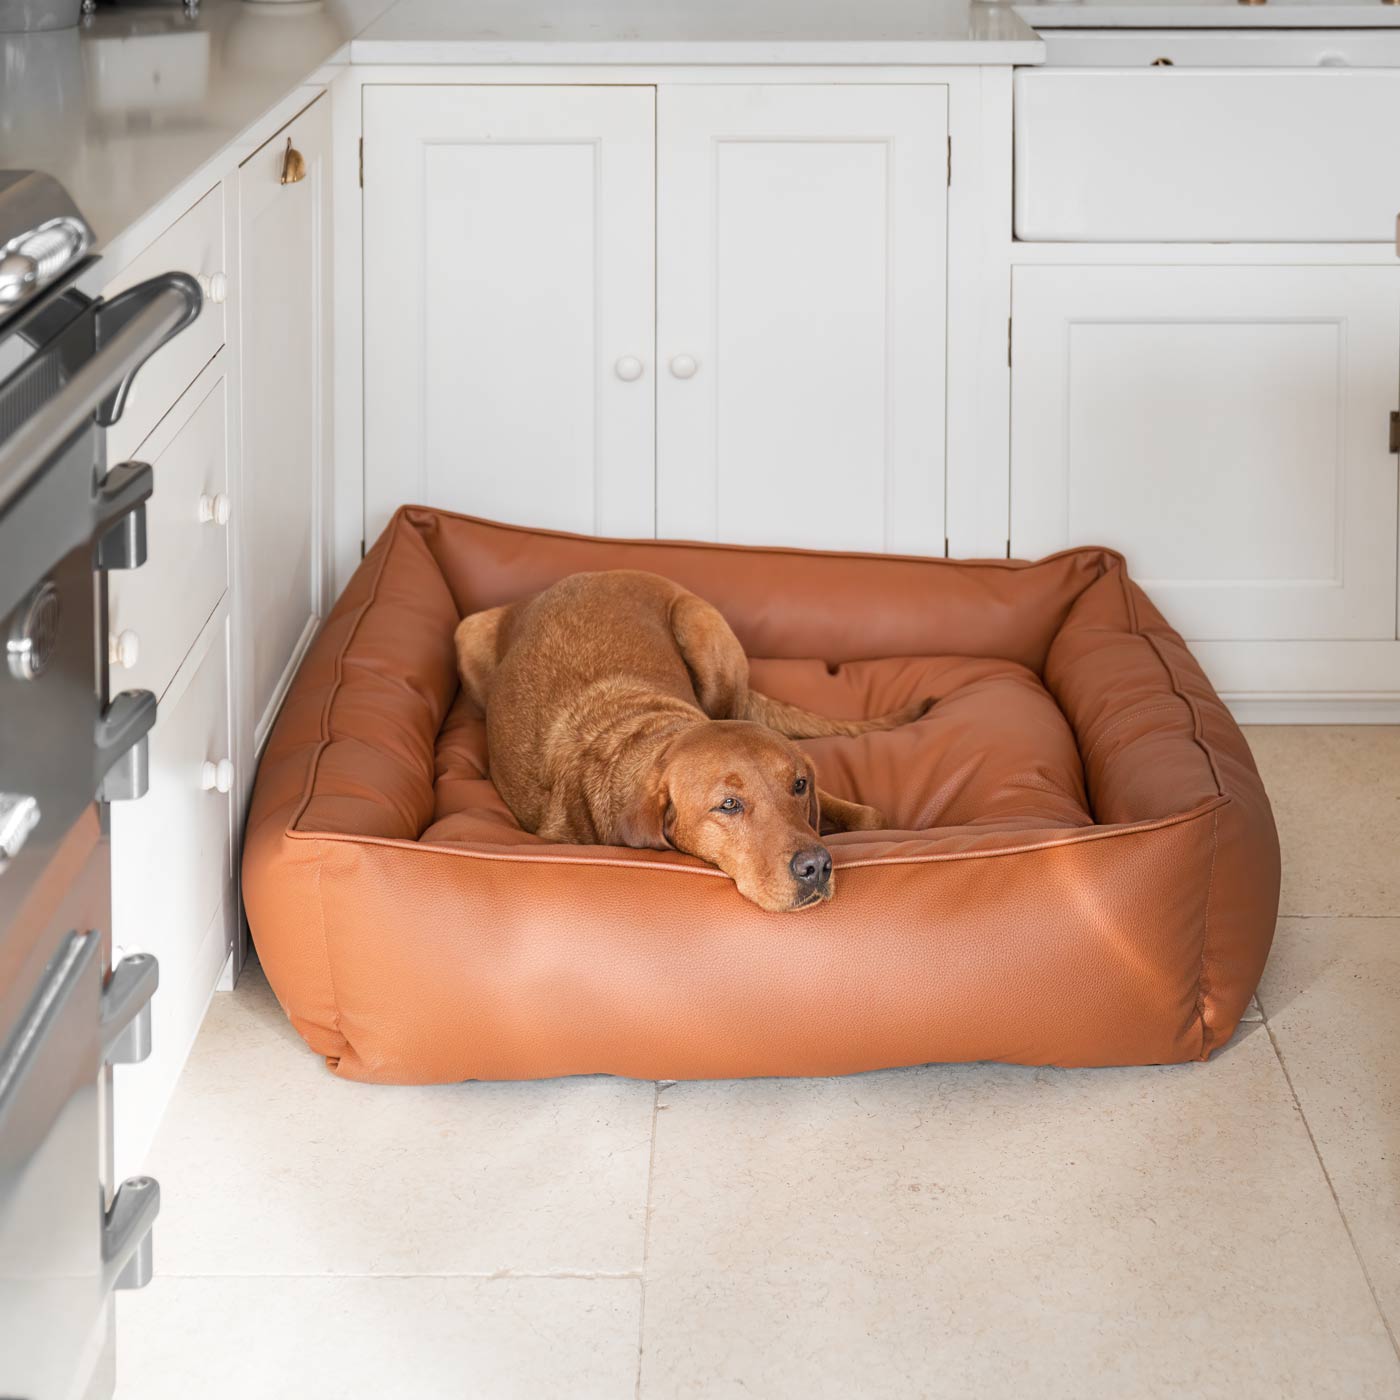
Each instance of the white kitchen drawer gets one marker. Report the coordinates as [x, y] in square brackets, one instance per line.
[1181, 154]
[172, 879]
[157, 611]
[1218, 48]
[172, 849]
[194, 244]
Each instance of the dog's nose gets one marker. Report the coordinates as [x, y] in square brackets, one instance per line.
[811, 868]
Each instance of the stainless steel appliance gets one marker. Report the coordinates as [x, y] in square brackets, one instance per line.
[25, 16]
[69, 1235]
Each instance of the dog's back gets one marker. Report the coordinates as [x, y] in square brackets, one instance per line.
[575, 667]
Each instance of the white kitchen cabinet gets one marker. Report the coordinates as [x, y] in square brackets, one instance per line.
[1226, 427]
[156, 612]
[509, 294]
[713, 311]
[193, 244]
[172, 879]
[281, 506]
[801, 275]
[1187, 154]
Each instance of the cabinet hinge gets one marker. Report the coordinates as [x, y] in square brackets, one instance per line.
[950, 160]
[362, 162]
[362, 549]
[1395, 432]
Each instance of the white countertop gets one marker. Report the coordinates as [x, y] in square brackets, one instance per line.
[1209, 14]
[697, 31]
[135, 102]
[139, 104]
[135, 108]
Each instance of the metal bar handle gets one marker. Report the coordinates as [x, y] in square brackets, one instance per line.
[126, 1234]
[64, 974]
[169, 303]
[126, 1009]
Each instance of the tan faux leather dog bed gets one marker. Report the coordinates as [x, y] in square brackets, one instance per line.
[1084, 870]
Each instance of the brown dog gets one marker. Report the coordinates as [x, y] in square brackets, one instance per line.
[618, 713]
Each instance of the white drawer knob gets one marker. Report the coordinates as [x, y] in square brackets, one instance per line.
[684, 366]
[216, 775]
[214, 285]
[628, 368]
[123, 649]
[215, 509]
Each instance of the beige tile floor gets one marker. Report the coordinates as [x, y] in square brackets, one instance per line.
[1229, 1229]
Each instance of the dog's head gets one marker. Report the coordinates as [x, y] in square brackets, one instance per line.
[745, 799]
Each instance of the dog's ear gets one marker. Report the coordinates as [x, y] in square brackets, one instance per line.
[648, 823]
[814, 801]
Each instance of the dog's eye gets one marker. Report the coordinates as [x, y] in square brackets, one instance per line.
[800, 786]
[730, 804]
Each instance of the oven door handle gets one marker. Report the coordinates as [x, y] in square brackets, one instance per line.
[132, 327]
[121, 750]
[74, 961]
[117, 316]
[126, 1009]
[121, 507]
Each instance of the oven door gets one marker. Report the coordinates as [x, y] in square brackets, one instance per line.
[54, 1320]
[68, 1235]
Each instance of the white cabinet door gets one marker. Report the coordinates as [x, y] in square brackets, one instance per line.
[172, 881]
[509, 304]
[281, 507]
[1226, 428]
[801, 243]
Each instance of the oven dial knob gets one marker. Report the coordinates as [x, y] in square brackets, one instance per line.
[30, 645]
[19, 815]
[18, 274]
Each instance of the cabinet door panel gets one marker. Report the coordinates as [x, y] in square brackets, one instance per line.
[1226, 428]
[166, 602]
[194, 244]
[509, 243]
[802, 265]
[285, 249]
[172, 882]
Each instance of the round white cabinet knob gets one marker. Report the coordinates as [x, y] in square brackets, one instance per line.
[628, 368]
[214, 285]
[123, 649]
[684, 366]
[216, 776]
[215, 509]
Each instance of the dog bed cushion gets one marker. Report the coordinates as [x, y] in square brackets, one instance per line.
[1080, 865]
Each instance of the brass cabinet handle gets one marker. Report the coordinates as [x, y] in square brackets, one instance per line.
[293, 165]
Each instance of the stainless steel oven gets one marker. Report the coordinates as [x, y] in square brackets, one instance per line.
[69, 1234]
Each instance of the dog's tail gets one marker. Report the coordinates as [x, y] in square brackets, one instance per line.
[797, 723]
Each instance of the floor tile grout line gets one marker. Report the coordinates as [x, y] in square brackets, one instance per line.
[1338, 918]
[1327, 1177]
[480, 1275]
[646, 1237]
